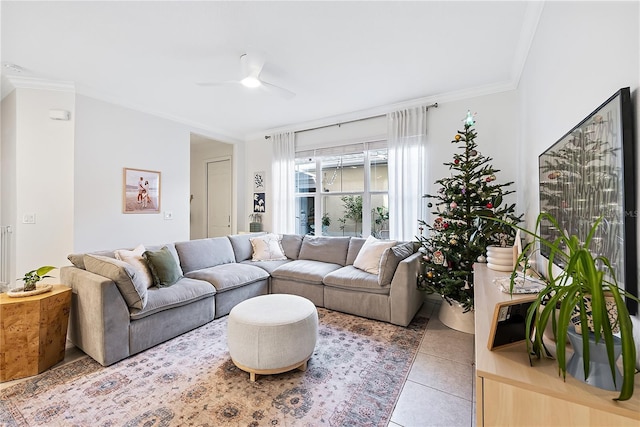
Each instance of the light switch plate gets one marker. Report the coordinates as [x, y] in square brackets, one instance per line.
[29, 218]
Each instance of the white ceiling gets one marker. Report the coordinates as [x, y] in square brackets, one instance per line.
[342, 59]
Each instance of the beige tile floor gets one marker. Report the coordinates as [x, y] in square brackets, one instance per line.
[440, 390]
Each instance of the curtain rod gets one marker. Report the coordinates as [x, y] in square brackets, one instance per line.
[434, 105]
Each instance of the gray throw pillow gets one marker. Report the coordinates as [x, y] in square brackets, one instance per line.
[164, 267]
[390, 260]
[128, 280]
[291, 244]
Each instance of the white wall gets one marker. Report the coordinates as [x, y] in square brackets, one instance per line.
[201, 153]
[109, 138]
[8, 189]
[37, 177]
[497, 125]
[581, 55]
[257, 157]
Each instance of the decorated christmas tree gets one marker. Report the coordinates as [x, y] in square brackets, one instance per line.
[458, 235]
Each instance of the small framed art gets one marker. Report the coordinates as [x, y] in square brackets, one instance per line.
[259, 181]
[140, 191]
[508, 325]
[259, 203]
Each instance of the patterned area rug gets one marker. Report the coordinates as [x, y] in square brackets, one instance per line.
[354, 378]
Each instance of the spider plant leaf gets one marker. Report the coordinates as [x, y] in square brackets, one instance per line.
[628, 346]
[564, 314]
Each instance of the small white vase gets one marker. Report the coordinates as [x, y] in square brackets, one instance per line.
[500, 259]
[453, 317]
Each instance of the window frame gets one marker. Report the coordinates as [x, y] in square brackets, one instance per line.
[317, 155]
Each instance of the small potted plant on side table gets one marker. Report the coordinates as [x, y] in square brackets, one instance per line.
[31, 280]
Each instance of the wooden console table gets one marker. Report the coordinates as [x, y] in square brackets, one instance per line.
[33, 332]
[509, 392]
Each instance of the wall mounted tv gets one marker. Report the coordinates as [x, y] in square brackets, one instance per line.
[589, 173]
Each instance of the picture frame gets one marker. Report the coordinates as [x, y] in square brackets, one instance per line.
[508, 324]
[141, 191]
[259, 183]
[259, 203]
[589, 173]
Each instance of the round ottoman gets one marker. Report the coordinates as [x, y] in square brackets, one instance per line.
[271, 334]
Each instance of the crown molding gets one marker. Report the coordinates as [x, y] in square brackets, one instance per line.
[527, 34]
[20, 82]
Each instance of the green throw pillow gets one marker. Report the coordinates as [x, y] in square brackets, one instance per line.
[164, 267]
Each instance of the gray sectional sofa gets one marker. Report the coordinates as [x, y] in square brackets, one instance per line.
[113, 316]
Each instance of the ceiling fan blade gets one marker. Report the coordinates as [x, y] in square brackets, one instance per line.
[251, 65]
[285, 93]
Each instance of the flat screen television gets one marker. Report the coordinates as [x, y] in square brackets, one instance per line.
[589, 173]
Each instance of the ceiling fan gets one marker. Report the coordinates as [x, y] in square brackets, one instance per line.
[251, 68]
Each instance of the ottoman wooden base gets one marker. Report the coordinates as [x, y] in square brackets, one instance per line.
[253, 372]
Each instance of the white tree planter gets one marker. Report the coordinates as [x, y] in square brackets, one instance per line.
[499, 258]
[453, 317]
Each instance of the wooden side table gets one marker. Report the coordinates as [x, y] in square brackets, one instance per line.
[33, 332]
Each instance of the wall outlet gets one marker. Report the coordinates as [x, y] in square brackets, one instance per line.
[168, 215]
[29, 218]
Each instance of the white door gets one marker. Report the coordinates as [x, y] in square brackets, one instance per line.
[219, 198]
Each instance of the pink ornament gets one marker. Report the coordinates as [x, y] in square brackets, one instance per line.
[453, 205]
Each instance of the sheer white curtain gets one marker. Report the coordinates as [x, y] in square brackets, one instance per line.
[407, 132]
[283, 173]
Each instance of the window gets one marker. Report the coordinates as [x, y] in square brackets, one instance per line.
[343, 191]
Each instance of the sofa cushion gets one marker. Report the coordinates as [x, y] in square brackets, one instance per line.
[184, 292]
[352, 278]
[135, 259]
[390, 259]
[267, 248]
[164, 267]
[332, 250]
[78, 259]
[368, 258]
[291, 244]
[127, 279]
[241, 245]
[267, 266]
[355, 244]
[203, 253]
[306, 271]
[229, 276]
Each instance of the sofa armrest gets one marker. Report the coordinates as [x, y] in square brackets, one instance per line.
[99, 317]
[405, 297]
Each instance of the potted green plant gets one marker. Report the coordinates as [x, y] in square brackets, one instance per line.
[32, 277]
[326, 220]
[582, 286]
[380, 220]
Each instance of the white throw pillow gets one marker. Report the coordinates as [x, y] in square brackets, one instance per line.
[135, 259]
[368, 258]
[267, 248]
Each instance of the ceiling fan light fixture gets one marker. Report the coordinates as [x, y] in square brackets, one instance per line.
[251, 82]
